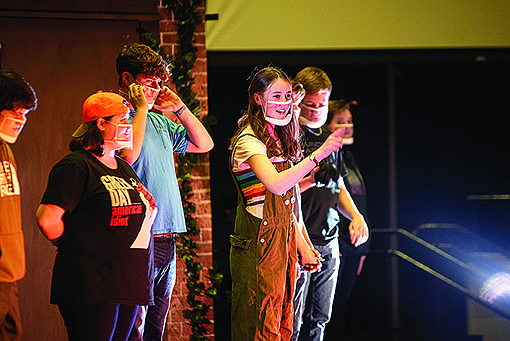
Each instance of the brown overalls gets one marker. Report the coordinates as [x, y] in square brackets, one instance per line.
[263, 260]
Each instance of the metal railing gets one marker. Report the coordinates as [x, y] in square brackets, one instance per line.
[461, 265]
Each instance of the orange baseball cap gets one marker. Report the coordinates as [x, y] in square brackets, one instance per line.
[99, 105]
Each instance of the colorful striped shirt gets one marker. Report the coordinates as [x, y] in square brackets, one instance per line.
[254, 192]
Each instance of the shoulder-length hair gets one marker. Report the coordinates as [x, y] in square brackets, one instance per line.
[92, 141]
[287, 145]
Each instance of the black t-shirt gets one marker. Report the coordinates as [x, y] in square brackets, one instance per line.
[318, 203]
[105, 253]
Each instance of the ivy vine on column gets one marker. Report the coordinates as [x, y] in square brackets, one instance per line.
[188, 18]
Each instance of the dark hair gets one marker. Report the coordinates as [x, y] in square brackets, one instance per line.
[288, 135]
[334, 106]
[139, 58]
[92, 141]
[15, 92]
[314, 80]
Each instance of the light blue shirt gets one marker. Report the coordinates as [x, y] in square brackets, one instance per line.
[156, 169]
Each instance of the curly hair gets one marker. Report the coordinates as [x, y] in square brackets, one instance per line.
[288, 135]
[15, 92]
[139, 58]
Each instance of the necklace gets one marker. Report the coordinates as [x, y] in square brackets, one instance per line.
[313, 132]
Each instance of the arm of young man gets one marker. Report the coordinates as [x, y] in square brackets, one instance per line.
[139, 103]
[358, 228]
[310, 258]
[199, 139]
[308, 181]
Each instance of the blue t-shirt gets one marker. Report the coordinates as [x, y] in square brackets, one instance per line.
[156, 169]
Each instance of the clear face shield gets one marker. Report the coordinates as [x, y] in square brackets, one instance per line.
[151, 92]
[273, 109]
[321, 113]
[347, 136]
[10, 127]
[123, 135]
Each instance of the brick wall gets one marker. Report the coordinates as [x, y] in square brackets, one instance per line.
[176, 329]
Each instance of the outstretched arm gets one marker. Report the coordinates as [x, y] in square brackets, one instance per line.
[279, 182]
[308, 181]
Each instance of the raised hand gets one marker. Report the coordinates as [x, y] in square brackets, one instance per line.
[168, 100]
[332, 144]
[137, 97]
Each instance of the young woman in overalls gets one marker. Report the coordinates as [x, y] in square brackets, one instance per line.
[267, 236]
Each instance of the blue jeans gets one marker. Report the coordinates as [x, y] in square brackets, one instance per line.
[313, 298]
[150, 321]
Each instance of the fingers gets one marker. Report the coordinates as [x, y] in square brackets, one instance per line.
[336, 138]
[338, 131]
[136, 96]
[359, 238]
[311, 267]
[168, 100]
[359, 234]
[135, 90]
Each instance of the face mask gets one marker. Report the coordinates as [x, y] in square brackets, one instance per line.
[347, 140]
[7, 133]
[120, 137]
[323, 112]
[277, 121]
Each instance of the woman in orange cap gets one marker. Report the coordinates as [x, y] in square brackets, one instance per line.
[99, 216]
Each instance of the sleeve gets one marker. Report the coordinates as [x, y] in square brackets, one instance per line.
[341, 183]
[178, 136]
[341, 166]
[246, 147]
[65, 185]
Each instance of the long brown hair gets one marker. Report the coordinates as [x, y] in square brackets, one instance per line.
[288, 135]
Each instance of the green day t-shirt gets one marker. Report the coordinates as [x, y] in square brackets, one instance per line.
[105, 253]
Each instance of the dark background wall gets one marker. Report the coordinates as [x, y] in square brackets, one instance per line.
[66, 50]
[451, 121]
[451, 128]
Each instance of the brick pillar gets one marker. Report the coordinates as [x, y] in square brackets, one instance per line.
[176, 329]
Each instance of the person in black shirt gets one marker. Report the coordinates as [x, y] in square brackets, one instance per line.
[99, 216]
[352, 257]
[324, 198]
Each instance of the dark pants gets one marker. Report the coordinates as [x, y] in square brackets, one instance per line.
[346, 279]
[10, 322]
[98, 322]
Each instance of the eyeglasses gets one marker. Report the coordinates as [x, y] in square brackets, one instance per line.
[150, 87]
